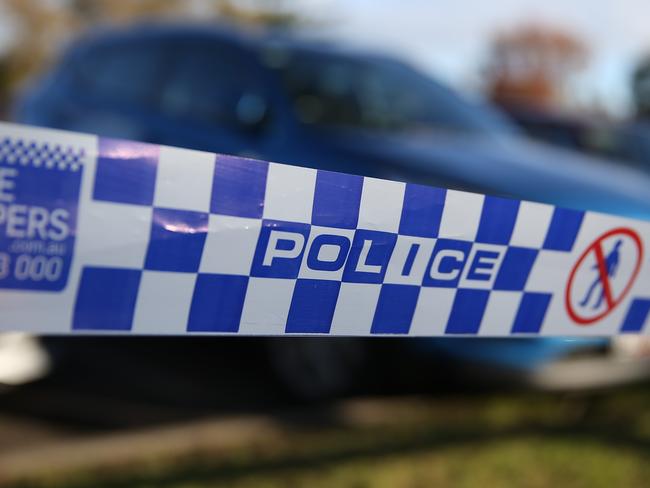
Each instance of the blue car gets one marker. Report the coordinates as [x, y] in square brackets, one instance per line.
[322, 106]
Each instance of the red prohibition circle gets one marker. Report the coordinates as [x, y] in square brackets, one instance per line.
[614, 303]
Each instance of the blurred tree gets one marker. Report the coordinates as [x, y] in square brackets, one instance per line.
[533, 65]
[43, 25]
[96, 11]
[273, 13]
[4, 87]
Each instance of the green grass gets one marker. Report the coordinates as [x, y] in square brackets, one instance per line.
[492, 440]
[518, 461]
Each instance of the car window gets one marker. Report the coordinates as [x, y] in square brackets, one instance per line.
[377, 95]
[208, 85]
[127, 72]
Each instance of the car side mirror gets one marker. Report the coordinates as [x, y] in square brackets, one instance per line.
[251, 111]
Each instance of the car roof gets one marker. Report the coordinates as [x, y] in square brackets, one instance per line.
[244, 38]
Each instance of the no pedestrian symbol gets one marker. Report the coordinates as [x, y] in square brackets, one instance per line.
[603, 275]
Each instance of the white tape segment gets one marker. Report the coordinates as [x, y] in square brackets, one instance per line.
[104, 236]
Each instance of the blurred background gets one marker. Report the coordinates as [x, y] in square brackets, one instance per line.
[546, 101]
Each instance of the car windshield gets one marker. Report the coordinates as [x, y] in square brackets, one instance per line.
[336, 91]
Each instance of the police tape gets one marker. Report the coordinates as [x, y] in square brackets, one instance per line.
[108, 236]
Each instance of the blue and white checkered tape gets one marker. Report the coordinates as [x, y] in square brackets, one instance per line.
[101, 235]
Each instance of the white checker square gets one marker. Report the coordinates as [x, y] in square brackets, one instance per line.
[184, 179]
[557, 321]
[397, 265]
[266, 306]
[532, 224]
[163, 304]
[432, 311]
[550, 272]
[355, 309]
[381, 205]
[500, 313]
[111, 234]
[230, 245]
[326, 253]
[289, 193]
[461, 216]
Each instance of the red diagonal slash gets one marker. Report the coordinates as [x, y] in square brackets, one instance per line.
[604, 277]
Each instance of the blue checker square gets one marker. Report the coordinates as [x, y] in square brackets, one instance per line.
[498, 219]
[217, 303]
[467, 311]
[369, 255]
[126, 172]
[531, 312]
[177, 240]
[515, 268]
[312, 306]
[422, 211]
[636, 316]
[238, 187]
[337, 198]
[106, 299]
[395, 309]
[280, 249]
[563, 229]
